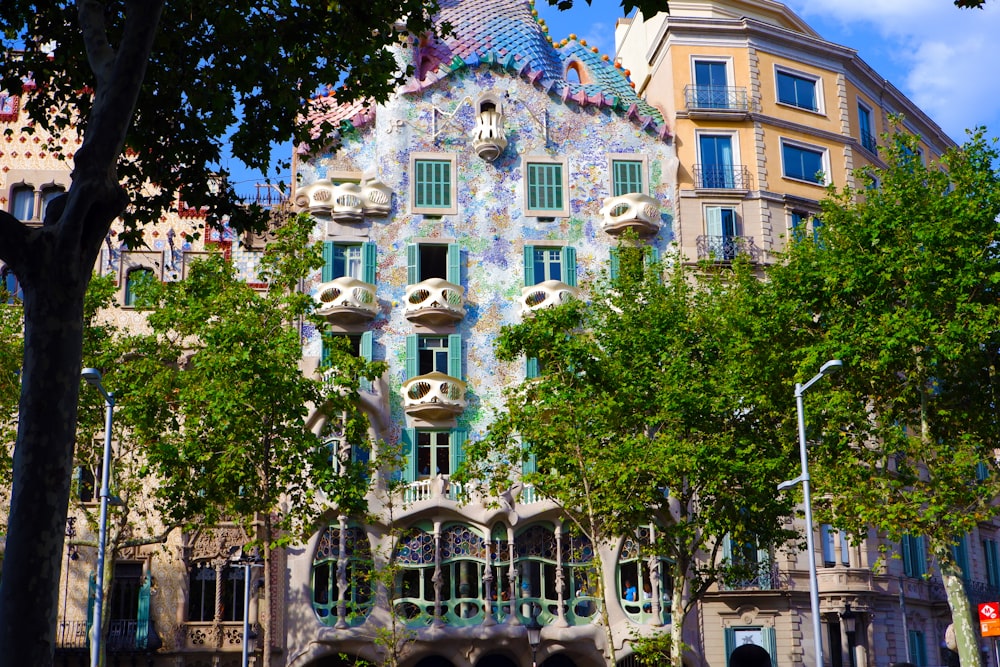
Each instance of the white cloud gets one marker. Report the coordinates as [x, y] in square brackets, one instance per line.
[944, 58]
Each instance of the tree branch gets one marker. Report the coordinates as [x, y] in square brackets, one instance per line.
[100, 55]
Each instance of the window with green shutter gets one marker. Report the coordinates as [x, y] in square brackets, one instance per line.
[433, 260]
[349, 260]
[545, 189]
[992, 558]
[427, 354]
[626, 176]
[432, 185]
[549, 263]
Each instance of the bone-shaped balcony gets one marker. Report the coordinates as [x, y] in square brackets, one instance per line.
[345, 202]
[434, 301]
[346, 301]
[546, 295]
[631, 211]
[434, 396]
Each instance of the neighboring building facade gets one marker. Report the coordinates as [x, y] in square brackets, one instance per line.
[496, 182]
[765, 115]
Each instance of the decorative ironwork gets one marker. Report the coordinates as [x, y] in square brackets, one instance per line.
[459, 541]
[722, 177]
[727, 248]
[869, 143]
[716, 98]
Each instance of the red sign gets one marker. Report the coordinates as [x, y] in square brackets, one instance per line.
[989, 619]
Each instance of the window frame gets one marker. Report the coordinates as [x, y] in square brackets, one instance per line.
[639, 158]
[728, 181]
[567, 258]
[823, 152]
[453, 270]
[869, 136]
[452, 160]
[798, 75]
[412, 359]
[368, 259]
[543, 160]
[727, 61]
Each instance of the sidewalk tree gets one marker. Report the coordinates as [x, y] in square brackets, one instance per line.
[902, 284]
[154, 89]
[650, 409]
[216, 399]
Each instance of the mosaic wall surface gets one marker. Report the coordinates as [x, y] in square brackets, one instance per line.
[490, 226]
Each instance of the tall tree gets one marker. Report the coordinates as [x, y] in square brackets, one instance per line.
[216, 400]
[152, 87]
[650, 409]
[901, 284]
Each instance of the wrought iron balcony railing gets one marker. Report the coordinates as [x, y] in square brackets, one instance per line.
[727, 248]
[868, 141]
[722, 177]
[716, 98]
[763, 576]
[123, 636]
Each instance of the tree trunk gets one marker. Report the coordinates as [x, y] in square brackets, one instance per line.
[961, 615]
[43, 453]
[677, 622]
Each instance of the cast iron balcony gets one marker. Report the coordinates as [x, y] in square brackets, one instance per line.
[346, 301]
[868, 141]
[546, 295]
[727, 248]
[434, 396]
[722, 177]
[716, 99]
[631, 211]
[435, 301]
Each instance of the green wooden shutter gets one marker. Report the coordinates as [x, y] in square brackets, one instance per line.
[730, 643]
[455, 356]
[627, 176]
[531, 369]
[327, 261]
[529, 463]
[142, 617]
[907, 555]
[367, 343]
[456, 443]
[992, 562]
[529, 266]
[409, 450]
[569, 265]
[770, 644]
[412, 356]
[454, 274]
[652, 255]
[545, 187]
[433, 184]
[91, 595]
[614, 265]
[412, 264]
[369, 261]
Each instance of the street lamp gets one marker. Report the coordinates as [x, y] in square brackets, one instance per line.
[828, 368]
[850, 621]
[534, 629]
[93, 378]
[237, 557]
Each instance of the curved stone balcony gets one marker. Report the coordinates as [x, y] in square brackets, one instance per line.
[346, 301]
[631, 211]
[488, 139]
[434, 396]
[546, 295]
[434, 302]
[345, 202]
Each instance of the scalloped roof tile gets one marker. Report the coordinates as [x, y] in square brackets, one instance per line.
[505, 33]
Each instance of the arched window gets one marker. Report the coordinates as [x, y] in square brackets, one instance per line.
[414, 595]
[644, 582]
[22, 202]
[49, 193]
[348, 545]
[135, 277]
[203, 603]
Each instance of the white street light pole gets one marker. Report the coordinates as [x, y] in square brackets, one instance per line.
[828, 368]
[93, 378]
[238, 557]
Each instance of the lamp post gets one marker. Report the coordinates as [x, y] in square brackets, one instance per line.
[849, 620]
[534, 629]
[248, 563]
[93, 378]
[828, 368]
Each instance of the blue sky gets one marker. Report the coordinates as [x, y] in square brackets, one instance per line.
[940, 56]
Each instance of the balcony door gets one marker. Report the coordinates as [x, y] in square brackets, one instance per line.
[716, 153]
[722, 231]
[711, 83]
